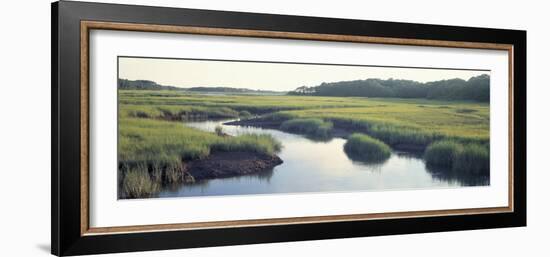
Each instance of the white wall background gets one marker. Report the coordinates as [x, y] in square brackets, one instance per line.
[25, 127]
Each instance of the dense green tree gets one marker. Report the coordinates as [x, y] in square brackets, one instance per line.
[474, 89]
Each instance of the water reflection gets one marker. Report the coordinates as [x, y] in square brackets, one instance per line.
[203, 185]
[321, 166]
[361, 160]
[462, 178]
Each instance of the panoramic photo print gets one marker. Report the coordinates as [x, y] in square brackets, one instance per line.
[194, 127]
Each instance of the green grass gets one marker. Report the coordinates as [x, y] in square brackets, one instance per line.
[402, 135]
[404, 122]
[151, 152]
[467, 158]
[180, 113]
[166, 143]
[150, 136]
[465, 110]
[309, 126]
[391, 132]
[137, 183]
[262, 143]
[442, 153]
[245, 114]
[473, 158]
[445, 119]
[256, 104]
[396, 122]
[364, 148]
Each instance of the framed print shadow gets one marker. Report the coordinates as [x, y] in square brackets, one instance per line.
[178, 128]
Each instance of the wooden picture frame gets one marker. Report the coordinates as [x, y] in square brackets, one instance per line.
[71, 25]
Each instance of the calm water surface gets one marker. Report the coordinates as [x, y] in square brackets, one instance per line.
[315, 166]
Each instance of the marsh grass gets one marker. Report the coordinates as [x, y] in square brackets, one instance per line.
[152, 143]
[395, 121]
[168, 143]
[258, 143]
[465, 110]
[245, 114]
[151, 151]
[179, 113]
[401, 135]
[309, 126]
[276, 117]
[138, 184]
[219, 131]
[473, 158]
[442, 153]
[466, 158]
[367, 149]
[409, 121]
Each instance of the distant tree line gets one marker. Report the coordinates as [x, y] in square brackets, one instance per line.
[227, 90]
[143, 85]
[475, 89]
[218, 89]
[151, 85]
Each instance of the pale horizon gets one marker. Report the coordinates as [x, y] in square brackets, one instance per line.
[186, 73]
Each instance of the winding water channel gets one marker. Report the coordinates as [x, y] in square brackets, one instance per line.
[315, 166]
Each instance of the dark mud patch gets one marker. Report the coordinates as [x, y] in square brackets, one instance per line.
[230, 164]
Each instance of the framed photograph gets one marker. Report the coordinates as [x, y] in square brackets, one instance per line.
[177, 128]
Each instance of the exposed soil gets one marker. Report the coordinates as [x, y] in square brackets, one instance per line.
[229, 164]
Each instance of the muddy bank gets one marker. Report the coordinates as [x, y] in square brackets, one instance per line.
[146, 181]
[230, 164]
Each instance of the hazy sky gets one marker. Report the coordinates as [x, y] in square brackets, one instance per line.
[267, 76]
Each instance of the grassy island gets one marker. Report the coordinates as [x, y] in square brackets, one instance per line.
[364, 148]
